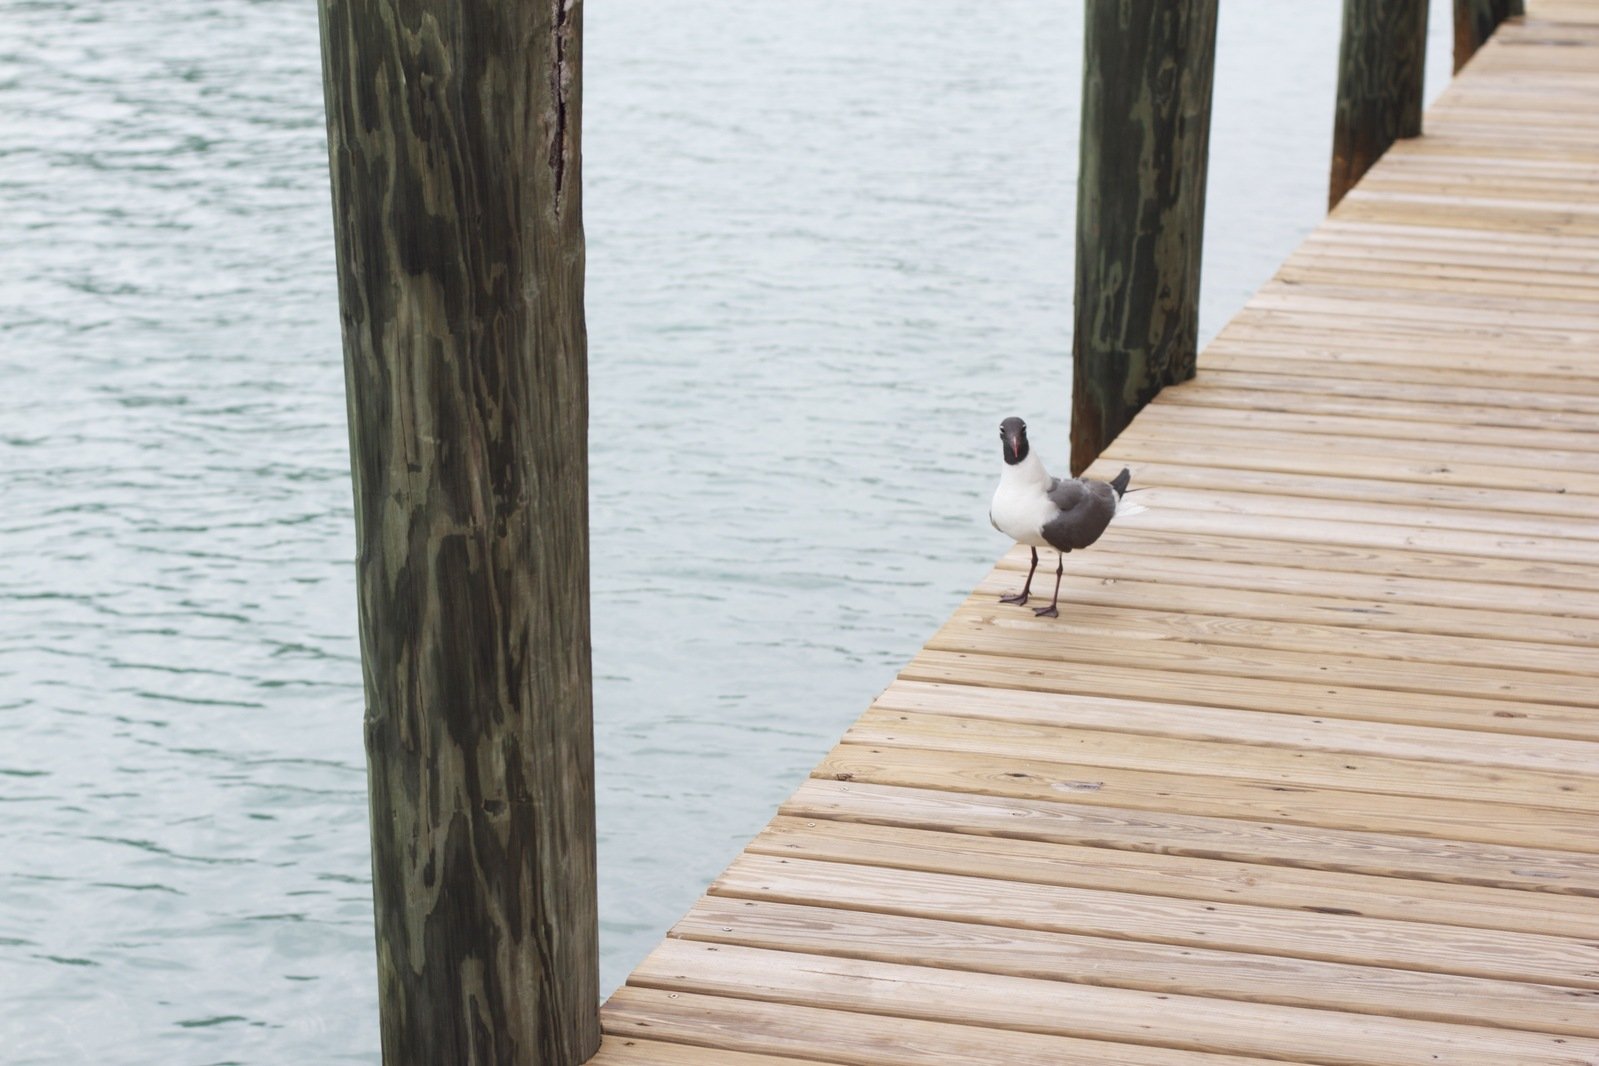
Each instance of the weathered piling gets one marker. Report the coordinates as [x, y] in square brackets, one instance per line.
[1381, 66]
[1475, 22]
[1148, 70]
[454, 143]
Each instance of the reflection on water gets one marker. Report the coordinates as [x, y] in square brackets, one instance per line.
[829, 249]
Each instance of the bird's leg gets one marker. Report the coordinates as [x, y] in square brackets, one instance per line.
[1052, 611]
[1021, 597]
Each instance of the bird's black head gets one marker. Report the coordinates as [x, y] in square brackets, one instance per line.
[1013, 431]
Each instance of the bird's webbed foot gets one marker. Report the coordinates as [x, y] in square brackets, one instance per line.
[1047, 612]
[1019, 599]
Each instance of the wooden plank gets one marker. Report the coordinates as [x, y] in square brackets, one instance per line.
[1098, 635]
[847, 1035]
[1565, 262]
[1398, 427]
[1185, 877]
[620, 1049]
[1210, 391]
[1483, 162]
[1121, 581]
[1515, 133]
[1399, 352]
[1328, 700]
[1541, 185]
[1198, 836]
[1466, 262]
[1389, 503]
[1516, 137]
[1518, 393]
[1400, 355]
[1445, 317]
[1461, 263]
[1114, 613]
[1258, 728]
[1457, 161]
[1058, 1008]
[1560, 563]
[1119, 963]
[1481, 216]
[1377, 278]
[1427, 576]
[1016, 777]
[1383, 364]
[1540, 194]
[1542, 189]
[1248, 493]
[1134, 448]
[1519, 467]
[1421, 946]
[1295, 322]
[1214, 563]
[1378, 774]
[1377, 233]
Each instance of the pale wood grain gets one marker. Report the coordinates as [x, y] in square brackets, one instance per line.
[850, 1036]
[959, 847]
[1053, 1007]
[1416, 571]
[1424, 946]
[1459, 747]
[1328, 699]
[1378, 774]
[1175, 832]
[625, 1049]
[1104, 614]
[1035, 778]
[1122, 963]
[1135, 642]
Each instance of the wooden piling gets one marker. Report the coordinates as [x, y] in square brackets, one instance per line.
[1381, 66]
[1148, 70]
[1475, 22]
[454, 144]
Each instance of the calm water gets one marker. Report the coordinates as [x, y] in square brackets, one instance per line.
[830, 246]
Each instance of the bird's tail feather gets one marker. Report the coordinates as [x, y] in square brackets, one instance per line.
[1119, 482]
[1125, 508]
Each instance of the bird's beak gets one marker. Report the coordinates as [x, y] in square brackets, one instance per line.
[1015, 442]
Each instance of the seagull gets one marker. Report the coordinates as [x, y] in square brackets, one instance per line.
[1035, 509]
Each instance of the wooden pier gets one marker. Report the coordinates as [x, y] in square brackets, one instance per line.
[1308, 768]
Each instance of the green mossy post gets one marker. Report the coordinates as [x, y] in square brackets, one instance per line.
[1148, 70]
[1381, 65]
[454, 142]
[1475, 22]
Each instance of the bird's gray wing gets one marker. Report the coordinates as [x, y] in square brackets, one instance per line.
[1086, 508]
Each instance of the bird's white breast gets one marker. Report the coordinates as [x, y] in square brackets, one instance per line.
[1021, 504]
